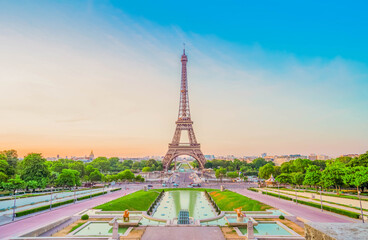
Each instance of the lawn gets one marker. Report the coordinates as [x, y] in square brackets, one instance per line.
[137, 201]
[228, 200]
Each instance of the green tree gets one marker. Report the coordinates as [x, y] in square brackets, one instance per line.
[101, 163]
[301, 165]
[220, 173]
[259, 162]
[68, 178]
[14, 184]
[356, 176]
[32, 185]
[146, 169]
[95, 176]
[3, 178]
[332, 175]
[233, 174]
[284, 178]
[34, 168]
[312, 176]
[266, 171]
[298, 178]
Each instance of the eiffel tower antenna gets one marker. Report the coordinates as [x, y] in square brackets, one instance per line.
[184, 123]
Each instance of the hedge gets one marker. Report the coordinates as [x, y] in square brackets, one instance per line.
[316, 205]
[252, 189]
[38, 209]
[276, 195]
[332, 209]
[42, 208]
[116, 189]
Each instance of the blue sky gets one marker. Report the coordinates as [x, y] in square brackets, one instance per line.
[280, 77]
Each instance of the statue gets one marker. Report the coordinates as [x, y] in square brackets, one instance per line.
[126, 216]
[240, 215]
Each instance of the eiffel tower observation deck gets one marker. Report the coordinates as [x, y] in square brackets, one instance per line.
[184, 123]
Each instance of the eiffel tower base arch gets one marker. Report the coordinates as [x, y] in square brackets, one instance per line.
[177, 151]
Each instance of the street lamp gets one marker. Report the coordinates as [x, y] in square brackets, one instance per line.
[361, 210]
[75, 187]
[296, 196]
[15, 199]
[51, 198]
[320, 195]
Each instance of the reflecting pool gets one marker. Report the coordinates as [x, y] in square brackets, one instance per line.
[195, 201]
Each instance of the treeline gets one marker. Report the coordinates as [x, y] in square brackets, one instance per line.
[236, 168]
[34, 171]
[342, 172]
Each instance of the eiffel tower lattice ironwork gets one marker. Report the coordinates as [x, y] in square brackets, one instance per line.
[184, 122]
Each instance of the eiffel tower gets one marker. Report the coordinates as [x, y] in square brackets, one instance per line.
[184, 122]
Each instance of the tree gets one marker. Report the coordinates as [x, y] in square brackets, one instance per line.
[298, 178]
[78, 166]
[312, 176]
[126, 175]
[233, 174]
[3, 177]
[146, 169]
[11, 158]
[139, 178]
[34, 168]
[362, 160]
[14, 184]
[301, 164]
[259, 162]
[283, 178]
[208, 164]
[95, 176]
[101, 163]
[220, 173]
[68, 178]
[332, 175]
[356, 176]
[266, 171]
[32, 185]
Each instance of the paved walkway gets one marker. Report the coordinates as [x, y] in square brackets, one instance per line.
[28, 224]
[305, 212]
[183, 233]
[324, 198]
[340, 200]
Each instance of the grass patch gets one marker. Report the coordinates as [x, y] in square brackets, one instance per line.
[137, 201]
[76, 226]
[228, 200]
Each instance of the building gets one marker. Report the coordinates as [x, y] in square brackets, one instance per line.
[91, 156]
[263, 155]
[209, 157]
[312, 157]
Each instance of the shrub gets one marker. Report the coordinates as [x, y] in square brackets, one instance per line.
[282, 217]
[252, 189]
[85, 217]
[116, 189]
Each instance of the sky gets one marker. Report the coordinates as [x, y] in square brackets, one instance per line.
[280, 77]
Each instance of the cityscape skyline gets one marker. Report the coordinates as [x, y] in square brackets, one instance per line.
[117, 67]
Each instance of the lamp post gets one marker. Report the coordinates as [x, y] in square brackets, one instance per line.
[75, 187]
[15, 199]
[51, 198]
[361, 210]
[320, 195]
[296, 196]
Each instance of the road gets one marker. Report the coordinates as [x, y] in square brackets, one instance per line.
[28, 224]
[307, 213]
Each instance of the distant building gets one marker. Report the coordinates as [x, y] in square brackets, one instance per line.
[312, 157]
[354, 155]
[323, 157]
[209, 157]
[91, 156]
[263, 155]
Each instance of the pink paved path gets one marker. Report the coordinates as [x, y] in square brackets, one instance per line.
[308, 213]
[25, 225]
